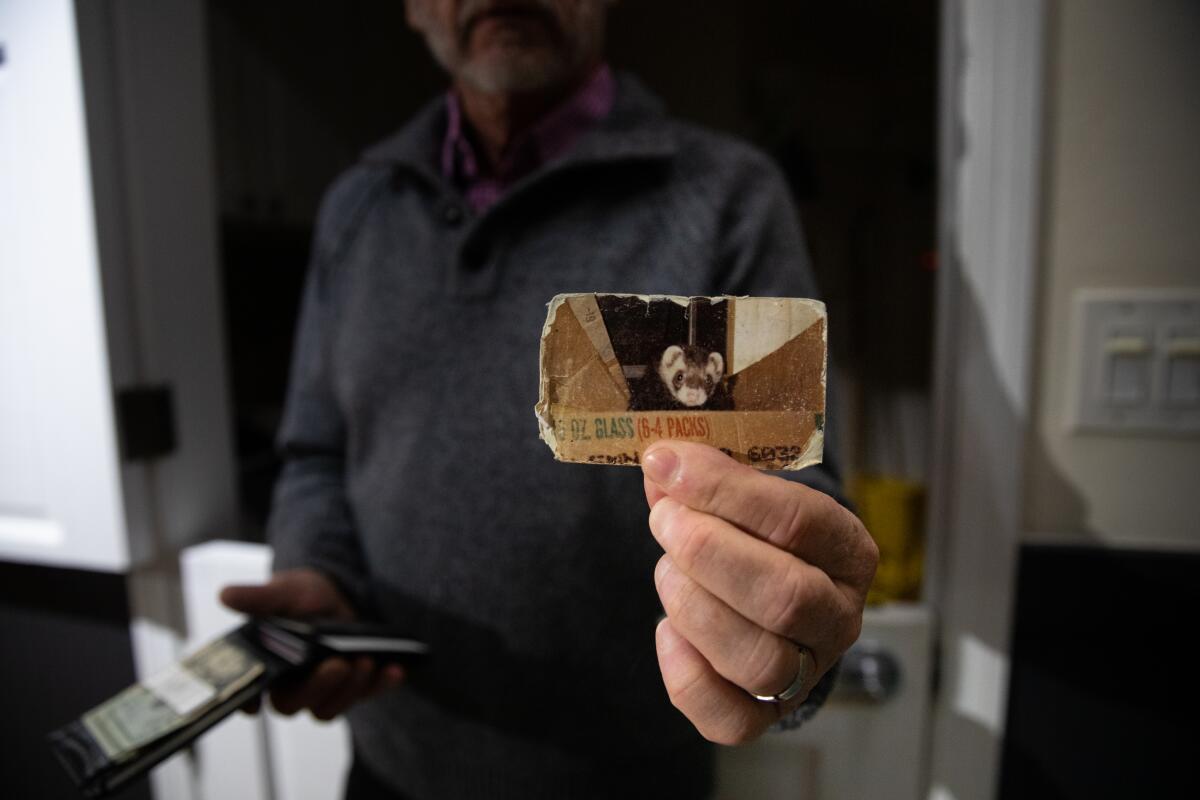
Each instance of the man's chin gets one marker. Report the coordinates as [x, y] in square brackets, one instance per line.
[516, 75]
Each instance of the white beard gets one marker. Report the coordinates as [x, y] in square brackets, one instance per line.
[516, 70]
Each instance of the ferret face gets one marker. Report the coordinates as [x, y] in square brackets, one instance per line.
[690, 373]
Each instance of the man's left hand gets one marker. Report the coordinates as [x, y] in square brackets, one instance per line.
[756, 568]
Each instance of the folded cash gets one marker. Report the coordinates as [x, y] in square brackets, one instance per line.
[742, 374]
[128, 734]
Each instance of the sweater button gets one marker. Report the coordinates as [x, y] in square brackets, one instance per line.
[452, 215]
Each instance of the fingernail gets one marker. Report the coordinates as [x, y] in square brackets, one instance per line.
[659, 465]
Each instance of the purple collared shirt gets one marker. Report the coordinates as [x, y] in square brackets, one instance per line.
[551, 137]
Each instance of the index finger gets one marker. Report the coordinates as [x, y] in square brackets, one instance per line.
[262, 600]
[803, 521]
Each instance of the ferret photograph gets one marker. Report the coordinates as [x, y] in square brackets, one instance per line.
[673, 354]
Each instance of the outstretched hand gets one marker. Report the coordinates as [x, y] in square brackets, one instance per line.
[756, 568]
[334, 684]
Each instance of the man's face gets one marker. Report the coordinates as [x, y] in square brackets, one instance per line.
[511, 46]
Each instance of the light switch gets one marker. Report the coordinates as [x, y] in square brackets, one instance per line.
[1183, 368]
[1127, 365]
[1138, 358]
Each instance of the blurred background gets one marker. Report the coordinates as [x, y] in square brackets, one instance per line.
[1001, 202]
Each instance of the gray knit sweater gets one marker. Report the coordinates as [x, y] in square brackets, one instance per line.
[416, 479]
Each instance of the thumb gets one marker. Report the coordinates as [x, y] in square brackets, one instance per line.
[257, 601]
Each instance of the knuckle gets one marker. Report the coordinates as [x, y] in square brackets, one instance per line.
[744, 733]
[335, 670]
[311, 691]
[841, 629]
[734, 728]
[684, 686]
[870, 556]
[716, 734]
[702, 486]
[695, 539]
[767, 665]
[850, 627]
[689, 690]
[726, 491]
[795, 519]
[686, 604]
[785, 602]
[285, 704]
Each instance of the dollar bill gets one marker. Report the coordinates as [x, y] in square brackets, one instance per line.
[171, 698]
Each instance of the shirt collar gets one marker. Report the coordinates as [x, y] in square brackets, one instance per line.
[551, 137]
[637, 128]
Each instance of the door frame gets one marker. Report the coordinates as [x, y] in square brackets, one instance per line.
[990, 137]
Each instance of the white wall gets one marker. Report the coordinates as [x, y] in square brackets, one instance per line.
[1121, 209]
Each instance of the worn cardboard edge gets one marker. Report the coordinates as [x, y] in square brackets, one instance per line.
[810, 449]
[819, 455]
[814, 449]
[813, 453]
[542, 409]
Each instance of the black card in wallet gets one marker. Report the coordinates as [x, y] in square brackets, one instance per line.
[129, 733]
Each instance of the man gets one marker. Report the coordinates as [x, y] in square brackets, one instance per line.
[416, 490]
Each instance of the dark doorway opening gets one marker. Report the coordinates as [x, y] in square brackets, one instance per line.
[843, 95]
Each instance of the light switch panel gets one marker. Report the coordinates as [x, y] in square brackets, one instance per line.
[1137, 361]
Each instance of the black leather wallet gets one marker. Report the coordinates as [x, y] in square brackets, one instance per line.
[128, 734]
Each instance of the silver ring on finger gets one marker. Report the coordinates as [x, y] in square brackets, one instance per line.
[807, 665]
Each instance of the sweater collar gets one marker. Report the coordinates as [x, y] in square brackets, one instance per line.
[636, 128]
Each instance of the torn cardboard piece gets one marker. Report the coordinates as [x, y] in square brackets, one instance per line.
[743, 374]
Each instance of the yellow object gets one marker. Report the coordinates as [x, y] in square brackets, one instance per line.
[893, 511]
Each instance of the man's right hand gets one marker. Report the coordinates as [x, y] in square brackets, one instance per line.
[335, 684]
